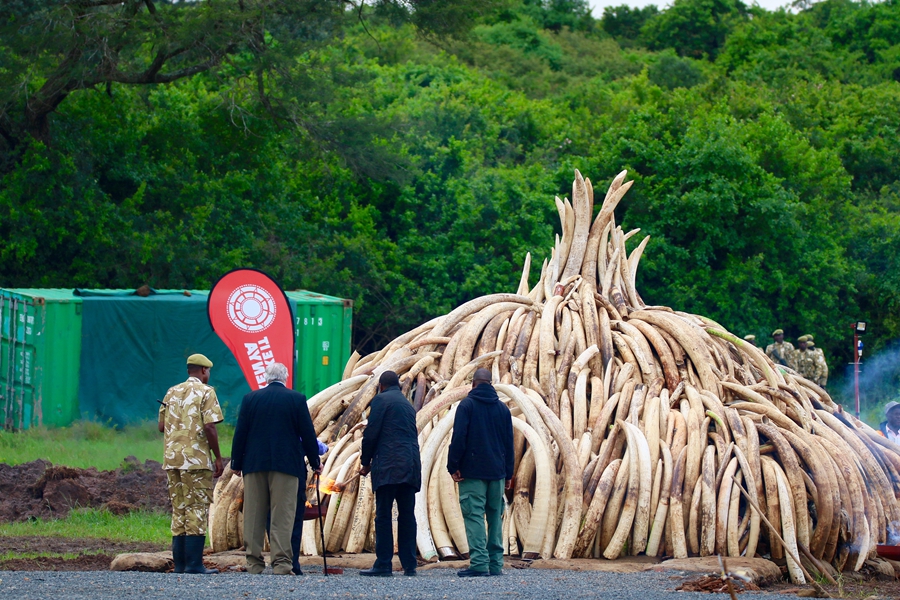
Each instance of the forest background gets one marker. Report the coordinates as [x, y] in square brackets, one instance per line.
[405, 154]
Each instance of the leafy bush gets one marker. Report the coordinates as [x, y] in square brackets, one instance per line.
[672, 72]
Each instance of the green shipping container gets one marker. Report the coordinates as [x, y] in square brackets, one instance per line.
[40, 354]
[323, 326]
[43, 380]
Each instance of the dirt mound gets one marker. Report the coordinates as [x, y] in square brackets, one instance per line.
[85, 562]
[715, 585]
[82, 554]
[25, 544]
[40, 490]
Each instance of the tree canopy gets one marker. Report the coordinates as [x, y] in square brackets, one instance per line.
[406, 154]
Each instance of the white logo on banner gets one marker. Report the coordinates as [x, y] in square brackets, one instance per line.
[251, 308]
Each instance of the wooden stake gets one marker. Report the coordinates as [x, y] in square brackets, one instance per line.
[784, 545]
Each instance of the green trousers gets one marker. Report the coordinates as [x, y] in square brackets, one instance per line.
[481, 500]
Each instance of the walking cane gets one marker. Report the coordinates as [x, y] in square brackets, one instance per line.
[321, 526]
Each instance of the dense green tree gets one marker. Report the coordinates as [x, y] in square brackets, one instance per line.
[625, 22]
[53, 49]
[694, 28]
[672, 72]
[555, 15]
[368, 157]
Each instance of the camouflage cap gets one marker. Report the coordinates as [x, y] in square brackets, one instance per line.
[750, 338]
[809, 337]
[199, 360]
[802, 338]
[778, 332]
[810, 343]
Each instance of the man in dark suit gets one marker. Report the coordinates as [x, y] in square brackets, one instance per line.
[390, 449]
[267, 449]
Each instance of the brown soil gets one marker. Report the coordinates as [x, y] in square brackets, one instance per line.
[85, 562]
[40, 490]
[863, 585]
[863, 589]
[93, 554]
[716, 585]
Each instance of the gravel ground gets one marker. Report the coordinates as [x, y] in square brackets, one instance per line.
[436, 583]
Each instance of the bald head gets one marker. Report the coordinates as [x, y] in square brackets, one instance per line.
[482, 375]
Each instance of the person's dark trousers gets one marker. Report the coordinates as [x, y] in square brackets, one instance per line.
[297, 532]
[385, 496]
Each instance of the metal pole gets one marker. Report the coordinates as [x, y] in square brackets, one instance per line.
[856, 368]
[321, 527]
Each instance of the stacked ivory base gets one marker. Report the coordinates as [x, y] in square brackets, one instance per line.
[637, 427]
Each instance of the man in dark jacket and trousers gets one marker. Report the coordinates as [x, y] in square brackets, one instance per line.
[480, 460]
[267, 449]
[390, 450]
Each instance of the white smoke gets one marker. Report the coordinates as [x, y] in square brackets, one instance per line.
[879, 383]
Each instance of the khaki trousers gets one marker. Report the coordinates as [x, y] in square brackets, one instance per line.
[191, 494]
[269, 493]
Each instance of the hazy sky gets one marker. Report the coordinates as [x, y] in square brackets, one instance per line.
[598, 5]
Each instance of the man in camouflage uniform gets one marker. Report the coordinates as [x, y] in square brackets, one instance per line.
[805, 360]
[781, 352]
[821, 365]
[188, 418]
[751, 339]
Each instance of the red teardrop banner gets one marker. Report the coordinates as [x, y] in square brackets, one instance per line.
[252, 315]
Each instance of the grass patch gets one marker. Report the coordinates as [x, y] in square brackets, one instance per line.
[88, 444]
[137, 526]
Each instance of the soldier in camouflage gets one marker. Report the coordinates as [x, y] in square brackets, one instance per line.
[805, 360]
[750, 339]
[188, 418]
[821, 365]
[781, 352]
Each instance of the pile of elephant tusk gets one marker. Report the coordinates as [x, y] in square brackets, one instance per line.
[635, 426]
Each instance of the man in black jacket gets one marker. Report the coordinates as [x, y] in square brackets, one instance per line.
[267, 449]
[480, 459]
[390, 449]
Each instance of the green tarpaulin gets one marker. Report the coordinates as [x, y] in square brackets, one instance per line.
[134, 349]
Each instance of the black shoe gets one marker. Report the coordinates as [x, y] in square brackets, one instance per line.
[471, 573]
[373, 572]
[496, 573]
[193, 555]
[409, 572]
[178, 553]
[297, 570]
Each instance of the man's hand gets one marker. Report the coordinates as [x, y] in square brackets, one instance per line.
[457, 477]
[318, 470]
[212, 436]
[363, 471]
[238, 473]
[509, 484]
